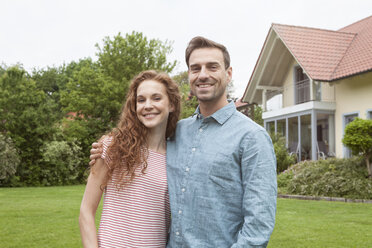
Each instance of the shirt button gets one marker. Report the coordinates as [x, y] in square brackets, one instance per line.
[180, 211]
[177, 233]
[187, 169]
[193, 149]
[183, 189]
[201, 130]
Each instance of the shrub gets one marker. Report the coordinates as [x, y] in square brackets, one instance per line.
[332, 177]
[358, 137]
[60, 163]
[9, 160]
[283, 158]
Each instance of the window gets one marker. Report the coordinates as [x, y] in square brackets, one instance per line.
[347, 119]
[369, 114]
[302, 86]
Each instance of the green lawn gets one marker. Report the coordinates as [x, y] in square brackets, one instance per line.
[301, 223]
[48, 217]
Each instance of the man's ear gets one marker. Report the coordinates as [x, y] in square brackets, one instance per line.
[229, 74]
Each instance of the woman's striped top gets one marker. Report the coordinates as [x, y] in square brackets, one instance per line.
[137, 215]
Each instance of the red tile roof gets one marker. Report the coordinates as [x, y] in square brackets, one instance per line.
[329, 55]
[358, 57]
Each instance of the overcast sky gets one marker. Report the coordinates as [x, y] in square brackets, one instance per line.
[41, 33]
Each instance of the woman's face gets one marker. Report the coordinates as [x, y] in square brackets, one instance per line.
[153, 106]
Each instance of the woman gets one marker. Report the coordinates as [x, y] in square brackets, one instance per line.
[132, 171]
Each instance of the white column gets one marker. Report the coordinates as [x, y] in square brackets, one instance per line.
[264, 101]
[314, 134]
[299, 137]
[331, 134]
[286, 132]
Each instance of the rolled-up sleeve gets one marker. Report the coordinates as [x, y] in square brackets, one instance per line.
[258, 166]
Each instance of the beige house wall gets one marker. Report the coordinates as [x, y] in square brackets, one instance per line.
[328, 92]
[353, 95]
[288, 86]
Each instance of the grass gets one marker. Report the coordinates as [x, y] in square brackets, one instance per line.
[40, 217]
[301, 223]
[48, 217]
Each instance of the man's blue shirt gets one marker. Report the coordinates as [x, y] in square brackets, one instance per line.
[222, 181]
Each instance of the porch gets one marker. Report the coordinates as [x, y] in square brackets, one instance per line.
[309, 128]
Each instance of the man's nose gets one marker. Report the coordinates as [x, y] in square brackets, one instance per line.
[203, 73]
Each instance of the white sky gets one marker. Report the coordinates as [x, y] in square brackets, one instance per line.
[41, 33]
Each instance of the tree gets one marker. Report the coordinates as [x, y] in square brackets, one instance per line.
[122, 58]
[358, 137]
[26, 118]
[9, 159]
[188, 101]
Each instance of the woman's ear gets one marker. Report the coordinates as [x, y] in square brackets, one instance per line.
[171, 108]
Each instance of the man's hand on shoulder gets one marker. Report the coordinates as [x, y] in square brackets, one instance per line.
[96, 151]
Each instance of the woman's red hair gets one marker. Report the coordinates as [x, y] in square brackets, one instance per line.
[128, 148]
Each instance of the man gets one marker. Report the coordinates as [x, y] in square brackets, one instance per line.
[221, 166]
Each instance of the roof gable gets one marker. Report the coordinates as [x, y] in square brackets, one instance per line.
[324, 55]
[318, 51]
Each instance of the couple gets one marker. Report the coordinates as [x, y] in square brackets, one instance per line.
[219, 166]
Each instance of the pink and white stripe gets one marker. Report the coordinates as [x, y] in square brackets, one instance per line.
[137, 215]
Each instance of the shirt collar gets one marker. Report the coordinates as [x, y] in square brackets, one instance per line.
[221, 115]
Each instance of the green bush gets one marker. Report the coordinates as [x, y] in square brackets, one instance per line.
[60, 163]
[358, 137]
[9, 160]
[332, 177]
[283, 158]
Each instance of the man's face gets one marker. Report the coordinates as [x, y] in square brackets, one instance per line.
[207, 75]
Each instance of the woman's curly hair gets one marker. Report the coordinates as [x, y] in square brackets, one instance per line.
[128, 148]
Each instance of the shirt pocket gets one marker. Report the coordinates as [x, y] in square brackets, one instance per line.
[224, 174]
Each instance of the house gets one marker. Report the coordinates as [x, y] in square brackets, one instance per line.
[325, 79]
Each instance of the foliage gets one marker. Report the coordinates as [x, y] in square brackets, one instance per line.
[258, 115]
[188, 101]
[332, 177]
[283, 158]
[93, 96]
[122, 58]
[9, 160]
[26, 118]
[60, 162]
[358, 137]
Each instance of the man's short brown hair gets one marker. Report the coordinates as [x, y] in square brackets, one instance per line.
[201, 42]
